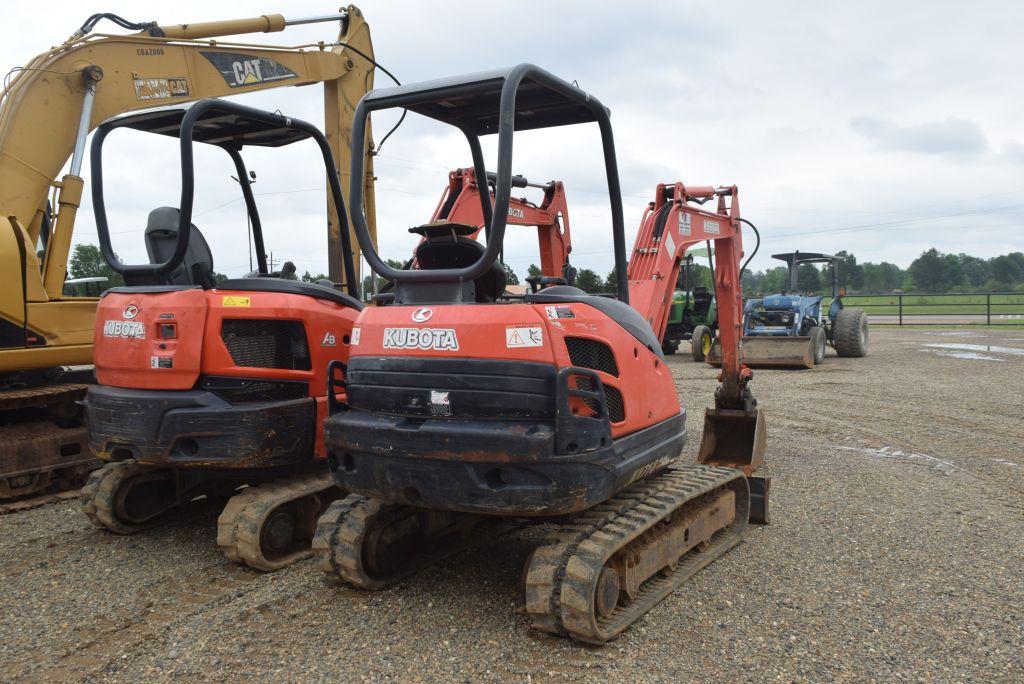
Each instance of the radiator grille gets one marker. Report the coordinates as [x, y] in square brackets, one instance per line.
[266, 343]
[612, 399]
[592, 354]
[616, 407]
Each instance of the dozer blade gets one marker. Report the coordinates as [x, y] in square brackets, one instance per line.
[770, 352]
[734, 438]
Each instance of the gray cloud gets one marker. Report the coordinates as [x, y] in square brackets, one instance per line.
[762, 98]
[952, 137]
[1013, 152]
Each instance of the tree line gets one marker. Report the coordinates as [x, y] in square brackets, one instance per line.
[933, 271]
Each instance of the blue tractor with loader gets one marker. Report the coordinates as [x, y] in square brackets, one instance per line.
[790, 330]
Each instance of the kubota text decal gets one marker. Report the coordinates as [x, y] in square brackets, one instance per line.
[438, 339]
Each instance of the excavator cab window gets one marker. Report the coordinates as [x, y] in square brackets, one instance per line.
[178, 252]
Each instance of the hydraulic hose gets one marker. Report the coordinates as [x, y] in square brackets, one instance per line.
[756, 247]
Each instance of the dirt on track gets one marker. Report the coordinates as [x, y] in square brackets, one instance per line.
[896, 552]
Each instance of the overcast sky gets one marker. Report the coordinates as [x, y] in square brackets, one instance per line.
[877, 127]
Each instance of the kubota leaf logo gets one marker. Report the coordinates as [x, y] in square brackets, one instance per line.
[422, 315]
[131, 311]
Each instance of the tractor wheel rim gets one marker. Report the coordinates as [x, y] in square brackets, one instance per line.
[705, 344]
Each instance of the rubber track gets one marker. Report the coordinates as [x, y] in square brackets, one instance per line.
[100, 490]
[341, 530]
[240, 523]
[563, 572]
[338, 561]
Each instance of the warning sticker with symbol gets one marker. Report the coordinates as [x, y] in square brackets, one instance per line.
[527, 336]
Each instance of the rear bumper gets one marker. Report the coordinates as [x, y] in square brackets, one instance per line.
[490, 467]
[193, 428]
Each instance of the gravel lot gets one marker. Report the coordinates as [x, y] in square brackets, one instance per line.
[896, 552]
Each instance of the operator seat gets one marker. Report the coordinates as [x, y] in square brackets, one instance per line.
[701, 298]
[620, 312]
[161, 239]
[447, 246]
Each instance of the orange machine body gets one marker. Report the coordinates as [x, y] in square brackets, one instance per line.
[183, 341]
[635, 375]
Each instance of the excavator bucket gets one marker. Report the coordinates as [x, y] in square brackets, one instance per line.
[734, 438]
[770, 352]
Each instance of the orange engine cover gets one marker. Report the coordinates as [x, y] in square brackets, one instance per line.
[643, 385]
[174, 339]
[129, 348]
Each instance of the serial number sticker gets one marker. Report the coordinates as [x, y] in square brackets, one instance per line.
[160, 88]
[712, 227]
[529, 336]
[134, 330]
[235, 300]
[438, 339]
[161, 362]
[354, 337]
[440, 404]
[556, 312]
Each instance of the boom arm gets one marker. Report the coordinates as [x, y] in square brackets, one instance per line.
[54, 101]
[460, 203]
[669, 227]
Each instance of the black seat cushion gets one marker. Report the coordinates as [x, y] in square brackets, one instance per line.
[161, 237]
[291, 287]
[451, 251]
[701, 296]
[623, 314]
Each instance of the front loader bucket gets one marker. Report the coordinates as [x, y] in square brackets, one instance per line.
[770, 352]
[734, 438]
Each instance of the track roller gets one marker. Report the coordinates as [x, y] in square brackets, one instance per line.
[271, 525]
[125, 497]
[609, 565]
[371, 544]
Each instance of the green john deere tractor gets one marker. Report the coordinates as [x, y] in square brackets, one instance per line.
[693, 316]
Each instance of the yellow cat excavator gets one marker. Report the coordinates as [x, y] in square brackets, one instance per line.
[46, 114]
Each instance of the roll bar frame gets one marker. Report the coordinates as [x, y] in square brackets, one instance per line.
[186, 145]
[432, 92]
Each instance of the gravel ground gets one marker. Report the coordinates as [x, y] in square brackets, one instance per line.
[896, 552]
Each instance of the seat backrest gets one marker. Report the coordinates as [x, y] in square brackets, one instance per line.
[701, 296]
[453, 251]
[161, 238]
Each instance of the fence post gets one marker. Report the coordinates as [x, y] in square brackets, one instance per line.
[988, 308]
[900, 302]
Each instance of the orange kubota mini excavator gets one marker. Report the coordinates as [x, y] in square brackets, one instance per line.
[206, 386]
[465, 409]
[47, 111]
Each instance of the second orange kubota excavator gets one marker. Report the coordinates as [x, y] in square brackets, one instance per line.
[465, 409]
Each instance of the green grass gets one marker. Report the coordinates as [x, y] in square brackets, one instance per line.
[937, 304]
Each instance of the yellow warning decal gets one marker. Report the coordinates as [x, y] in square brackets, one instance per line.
[235, 300]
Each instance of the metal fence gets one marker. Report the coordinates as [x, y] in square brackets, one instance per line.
[959, 308]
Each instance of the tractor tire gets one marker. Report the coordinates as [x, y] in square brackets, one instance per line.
[818, 344]
[851, 333]
[700, 342]
[669, 347]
